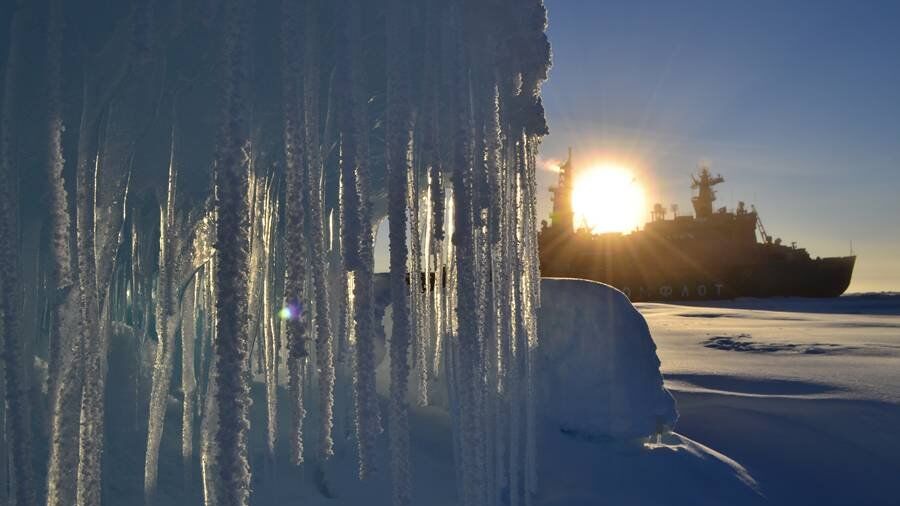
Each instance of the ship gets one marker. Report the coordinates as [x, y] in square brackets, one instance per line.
[712, 254]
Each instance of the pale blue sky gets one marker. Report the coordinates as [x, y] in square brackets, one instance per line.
[796, 103]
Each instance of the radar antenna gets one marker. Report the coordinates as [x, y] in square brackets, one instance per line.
[704, 182]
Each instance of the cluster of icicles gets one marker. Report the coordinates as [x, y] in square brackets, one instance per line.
[268, 283]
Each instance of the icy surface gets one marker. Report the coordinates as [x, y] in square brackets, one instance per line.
[805, 393]
[856, 354]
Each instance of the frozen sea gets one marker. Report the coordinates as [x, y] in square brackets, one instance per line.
[803, 393]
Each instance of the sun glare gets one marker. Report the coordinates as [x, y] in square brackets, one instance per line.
[608, 199]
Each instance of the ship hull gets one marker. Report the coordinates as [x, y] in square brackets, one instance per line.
[655, 270]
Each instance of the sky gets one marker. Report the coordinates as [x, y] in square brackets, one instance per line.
[796, 103]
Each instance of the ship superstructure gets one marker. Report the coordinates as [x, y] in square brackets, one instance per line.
[714, 253]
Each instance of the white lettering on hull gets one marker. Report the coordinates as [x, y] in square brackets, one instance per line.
[666, 291]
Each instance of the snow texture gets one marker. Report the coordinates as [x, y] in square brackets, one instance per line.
[597, 367]
[814, 428]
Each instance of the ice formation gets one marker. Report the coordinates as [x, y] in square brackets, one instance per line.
[227, 164]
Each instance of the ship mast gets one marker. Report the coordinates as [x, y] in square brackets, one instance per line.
[563, 216]
[704, 182]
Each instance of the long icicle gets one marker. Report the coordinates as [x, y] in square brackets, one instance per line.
[496, 226]
[368, 422]
[64, 383]
[295, 199]
[350, 229]
[165, 331]
[188, 378]
[232, 346]
[398, 159]
[533, 298]
[90, 436]
[415, 274]
[464, 247]
[324, 349]
[270, 349]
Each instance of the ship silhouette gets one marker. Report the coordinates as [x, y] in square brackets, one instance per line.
[714, 254]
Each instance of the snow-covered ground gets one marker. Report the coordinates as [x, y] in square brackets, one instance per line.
[774, 407]
[803, 393]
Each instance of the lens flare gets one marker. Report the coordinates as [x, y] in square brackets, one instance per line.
[289, 312]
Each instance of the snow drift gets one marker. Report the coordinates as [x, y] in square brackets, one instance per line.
[597, 369]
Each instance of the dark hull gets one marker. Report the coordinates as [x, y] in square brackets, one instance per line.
[650, 269]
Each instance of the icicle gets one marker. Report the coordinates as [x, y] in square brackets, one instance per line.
[499, 297]
[368, 424]
[426, 327]
[295, 198]
[447, 260]
[533, 297]
[165, 331]
[465, 300]
[466, 96]
[324, 350]
[479, 108]
[65, 368]
[208, 449]
[58, 196]
[268, 331]
[346, 261]
[515, 359]
[188, 378]
[398, 160]
[414, 263]
[436, 209]
[418, 286]
[90, 448]
[428, 125]
[336, 283]
[209, 328]
[232, 394]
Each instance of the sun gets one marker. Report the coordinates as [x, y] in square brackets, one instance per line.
[608, 198]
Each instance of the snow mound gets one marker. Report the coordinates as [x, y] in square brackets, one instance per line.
[597, 369]
[673, 471]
